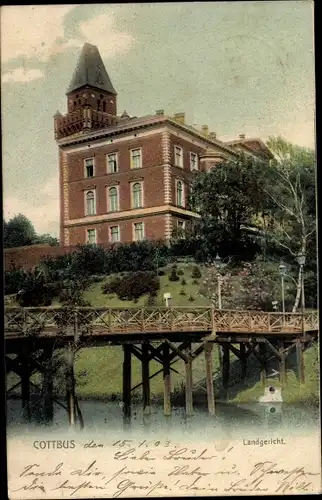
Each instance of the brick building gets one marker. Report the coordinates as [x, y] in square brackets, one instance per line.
[126, 178]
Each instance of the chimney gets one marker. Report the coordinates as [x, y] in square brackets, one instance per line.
[242, 136]
[179, 117]
[212, 136]
[205, 129]
[160, 112]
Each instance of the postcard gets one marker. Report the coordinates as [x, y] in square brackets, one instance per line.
[160, 230]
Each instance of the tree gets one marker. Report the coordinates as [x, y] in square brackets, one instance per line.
[19, 231]
[227, 199]
[289, 199]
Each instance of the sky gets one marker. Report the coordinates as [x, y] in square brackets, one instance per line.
[238, 67]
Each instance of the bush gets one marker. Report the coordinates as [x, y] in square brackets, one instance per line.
[174, 276]
[151, 301]
[133, 286]
[35, 292]
[195, 282]
[196, 273]
[182, 292]
[161, 272]
[180, 272]
[13, 281]
[191, 298]
[183, 282]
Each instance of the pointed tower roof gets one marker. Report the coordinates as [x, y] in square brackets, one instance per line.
[90, 70]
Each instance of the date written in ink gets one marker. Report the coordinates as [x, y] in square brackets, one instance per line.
[123, 443]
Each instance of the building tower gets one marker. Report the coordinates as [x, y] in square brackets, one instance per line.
[91, 97]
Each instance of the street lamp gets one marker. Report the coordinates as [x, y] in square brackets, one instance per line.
[219, 264]
[301, 261]
[282, 271]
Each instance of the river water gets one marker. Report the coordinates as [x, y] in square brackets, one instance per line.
[231, 420]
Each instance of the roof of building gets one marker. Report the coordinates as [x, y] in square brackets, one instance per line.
[90, 70]
[255, 145]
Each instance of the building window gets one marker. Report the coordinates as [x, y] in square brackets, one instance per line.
[136, 158]
[89, 167]
[114, 234]
[178, 156]
[113, 199]
[90, 203]
[138, 231]
[91, 236]
[193, 161]
[179, 194]
[112, 163]
[137, 195]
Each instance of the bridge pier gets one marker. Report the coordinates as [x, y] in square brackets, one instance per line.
[282, 363]
[300, 361]
[25, 386]
[166, 380]
[48, 385]
[208, 348]
[70, 386]
[243, 360]
[263, 363]
[127, 365]
[146, 379]
[189, 397]
[225, 369]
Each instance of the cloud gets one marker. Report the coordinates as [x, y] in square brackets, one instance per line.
[33, 31]
[38, 32]
[42, 208]
[102, 31]
[22, 75]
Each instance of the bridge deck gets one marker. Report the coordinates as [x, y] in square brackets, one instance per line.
[52, 321]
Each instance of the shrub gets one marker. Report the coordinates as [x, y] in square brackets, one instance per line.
[191, 298]
[174, 276]
[133, 286]
[196, 273]
[180, 272]
[35, 292]
[183, 282]
[161, 272]
[195, 282]
[182, 292]
[13, 281]
[151, 301]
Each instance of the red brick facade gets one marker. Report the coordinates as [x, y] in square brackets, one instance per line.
[148, 186]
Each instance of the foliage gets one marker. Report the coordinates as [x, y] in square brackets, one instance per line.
[161, 272]
[133, 286]
[18, 231]
[253, 285]
[35, 291]
[191, 298]
[183, 282]
[196, 273]
[182, 292]
[180, 272]
[13, 280]
[173, 276]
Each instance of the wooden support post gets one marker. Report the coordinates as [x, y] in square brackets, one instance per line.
[48, 386]
[25, 387]
[300, 361]
[262, 357]
[225, 369]
[70, 386]
[127, 381]
[146, 379]
[282, 364]
[209, 377]
[189, 399]
[166, 380]
[243, 360]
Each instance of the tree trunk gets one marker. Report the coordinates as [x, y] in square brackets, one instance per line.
[298, 291]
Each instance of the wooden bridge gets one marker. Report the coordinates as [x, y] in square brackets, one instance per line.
[161, 334]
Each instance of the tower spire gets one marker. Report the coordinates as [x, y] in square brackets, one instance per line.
[90, 71]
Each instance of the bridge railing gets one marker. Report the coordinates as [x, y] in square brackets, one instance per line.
[154, 319]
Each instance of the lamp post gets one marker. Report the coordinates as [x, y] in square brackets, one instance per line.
[282, 270]
[219, 265]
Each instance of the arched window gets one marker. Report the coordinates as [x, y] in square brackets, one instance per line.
[137, 195]
[179, 194]
[90, 203]
[114, 202]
